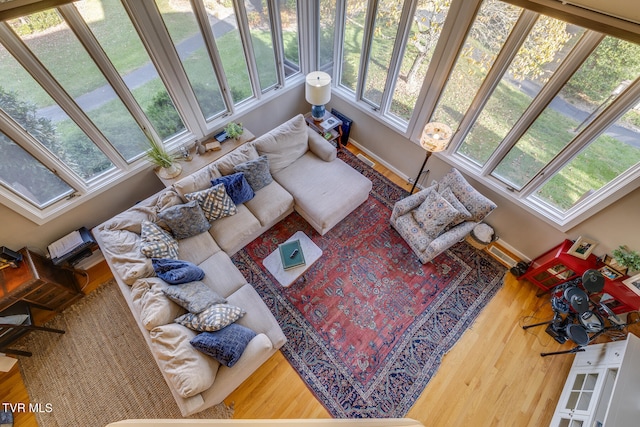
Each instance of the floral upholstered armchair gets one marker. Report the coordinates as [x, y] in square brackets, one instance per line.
[434, 219]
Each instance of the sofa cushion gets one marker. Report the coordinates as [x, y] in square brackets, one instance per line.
[477, 204]
[222, 275]
[175, 272]
[236, 187]
[214, 318]
[153, 306]
[122, 249]
[463, 213]
[225, 345]
[241, 154]
[156, 242]
[234, 232]
[214, 201]
[188, 371]
[270, 204]
[258, 318]
[284, 144]
[256, 172]
[434, 214]
[197, 181]
[314, 185]
[197, 248]
[185, 220]
[195, 297]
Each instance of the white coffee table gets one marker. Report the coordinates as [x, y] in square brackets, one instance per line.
[273, 262]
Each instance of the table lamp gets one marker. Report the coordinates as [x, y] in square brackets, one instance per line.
[435, 137]
[317, 93]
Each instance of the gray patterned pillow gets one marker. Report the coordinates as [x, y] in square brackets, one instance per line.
[463, 213]
[214, 201]
[195, 296]
[213, 318]
[156, 242]
[256, 172]
[434, 214]
[185, 220]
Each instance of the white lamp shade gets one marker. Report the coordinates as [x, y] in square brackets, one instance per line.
[435, 137]
[318, 88]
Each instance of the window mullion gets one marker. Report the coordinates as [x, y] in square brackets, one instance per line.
[625, 101]
[338, 42]
[518, 36]
[396, 59]
[369, 25]
[214, 54]
[86, 37]
[569, 66]
[245, 36]
[30, 63]
[278, 48]
[147, 20]
[309, 13]
[447, 50]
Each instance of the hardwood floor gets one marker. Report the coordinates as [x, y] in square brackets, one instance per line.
[493, 376]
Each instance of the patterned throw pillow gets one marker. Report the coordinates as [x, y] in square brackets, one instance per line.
[157, 243]
[195, 296]
[236, 187]
[225, 345]
[215, 202]
[185, 220]
[213, 318]
[434, 214]
[463, 213]
[256, 172]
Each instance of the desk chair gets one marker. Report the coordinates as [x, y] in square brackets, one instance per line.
[15, 322]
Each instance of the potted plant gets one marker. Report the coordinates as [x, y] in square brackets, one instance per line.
[626, 257]
[234, 130]
[167, 162]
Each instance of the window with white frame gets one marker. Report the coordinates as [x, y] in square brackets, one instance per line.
[543, 108]
[83, 85]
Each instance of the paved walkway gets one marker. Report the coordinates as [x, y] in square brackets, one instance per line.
[138, 77]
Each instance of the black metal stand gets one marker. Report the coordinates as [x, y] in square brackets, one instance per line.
[421, 172]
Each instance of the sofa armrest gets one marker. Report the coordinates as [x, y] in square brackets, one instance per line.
[446, 240]
[321, 147]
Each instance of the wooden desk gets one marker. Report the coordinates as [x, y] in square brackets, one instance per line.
[333, 134]
[199, 161]
[38, 282]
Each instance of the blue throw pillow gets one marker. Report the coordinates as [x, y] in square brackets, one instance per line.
[175, 272]
[236, 186]
[225, 345]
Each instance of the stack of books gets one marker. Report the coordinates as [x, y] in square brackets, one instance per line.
[291, 254]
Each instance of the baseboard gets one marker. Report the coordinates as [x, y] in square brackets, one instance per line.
[379, 160]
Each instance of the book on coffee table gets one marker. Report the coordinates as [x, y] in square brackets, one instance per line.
[291, 254]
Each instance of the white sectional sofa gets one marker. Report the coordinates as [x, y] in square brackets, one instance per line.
[307, 176]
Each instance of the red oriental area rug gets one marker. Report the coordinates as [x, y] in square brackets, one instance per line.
[368, 325]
